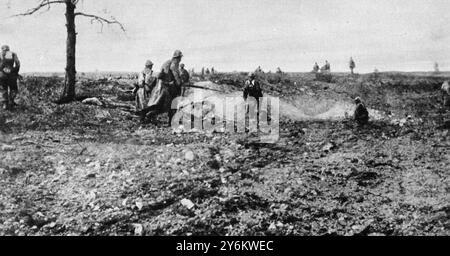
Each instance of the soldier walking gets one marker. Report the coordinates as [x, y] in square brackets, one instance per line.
[252, 88]
[167, 88]
[146, 83]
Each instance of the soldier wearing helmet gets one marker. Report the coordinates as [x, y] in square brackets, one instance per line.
[9, 72]
[361, 114]
[146, 83]
[167, 88]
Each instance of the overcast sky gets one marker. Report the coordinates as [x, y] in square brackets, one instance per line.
[403, 35]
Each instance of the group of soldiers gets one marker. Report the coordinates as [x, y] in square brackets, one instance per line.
[324, 68]
[154, 94]
[327, 66]
[207, 71]
[9, 74]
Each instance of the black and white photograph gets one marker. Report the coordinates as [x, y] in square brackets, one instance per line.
[224, 118]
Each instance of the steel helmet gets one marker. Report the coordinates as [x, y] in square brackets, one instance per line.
[182, 65]
[357, 100]
[5, 48]
[148, 63]
[177, 54]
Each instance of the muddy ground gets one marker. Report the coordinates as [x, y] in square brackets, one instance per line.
[78, 169]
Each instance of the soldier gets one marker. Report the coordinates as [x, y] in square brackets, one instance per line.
[252, 88]
[361, 114]
[316, 68]
[9, 73]
[146, 83]
[352, 65]
[203, 71]
[167, 88]
[213, 71]
[327, 66]
[184, 74]
[446, 93]
[279, 71]
[207, 71]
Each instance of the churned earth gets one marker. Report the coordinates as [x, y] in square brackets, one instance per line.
[79, 169]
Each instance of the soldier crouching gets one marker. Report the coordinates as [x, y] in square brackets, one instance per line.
[361, 114]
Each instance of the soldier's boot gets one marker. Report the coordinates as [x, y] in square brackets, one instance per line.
[147, 115]
[171, 114]
[12, 97]
[5, 99]
[143, 116]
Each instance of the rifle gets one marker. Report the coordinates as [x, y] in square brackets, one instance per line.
[190, 85]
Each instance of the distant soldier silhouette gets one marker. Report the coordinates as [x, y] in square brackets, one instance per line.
[316, 68]
[213, 71]
[436, 68]
[9, 73]
[352, 65]
[327, 66]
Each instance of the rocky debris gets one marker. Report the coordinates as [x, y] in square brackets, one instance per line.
[189, 155]
[138, 229]
[187, 203]
[329, 147]
[74, 174]
[92, 101]
[6, 147]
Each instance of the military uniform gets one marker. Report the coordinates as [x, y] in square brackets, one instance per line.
[184, 74]
[352, 65]
[446, 93]
[316, 68]
[146, 83]
[9, 72]
[168, 87]
[252, 88]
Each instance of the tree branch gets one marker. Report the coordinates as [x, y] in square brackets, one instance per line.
[42, 4]
[101, 20]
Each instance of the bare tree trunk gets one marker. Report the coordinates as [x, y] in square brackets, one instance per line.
[69, 86]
